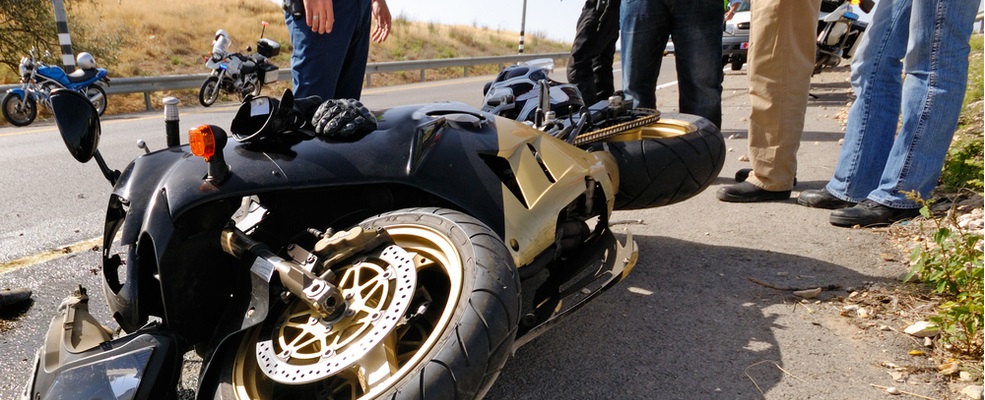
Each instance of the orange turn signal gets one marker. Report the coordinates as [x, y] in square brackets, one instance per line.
[202, 141]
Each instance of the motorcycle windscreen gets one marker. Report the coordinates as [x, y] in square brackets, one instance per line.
[111, 378]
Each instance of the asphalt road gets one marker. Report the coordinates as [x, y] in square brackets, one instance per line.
[686, 324]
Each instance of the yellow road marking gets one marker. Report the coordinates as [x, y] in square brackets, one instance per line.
[49, 255]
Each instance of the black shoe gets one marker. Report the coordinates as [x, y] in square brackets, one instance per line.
[870, 213]
[822, 199]
[746, 192]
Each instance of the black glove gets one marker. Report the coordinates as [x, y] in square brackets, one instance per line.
[343, 119]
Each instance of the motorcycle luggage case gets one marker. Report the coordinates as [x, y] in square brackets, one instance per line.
[268, 48]
[268, 73]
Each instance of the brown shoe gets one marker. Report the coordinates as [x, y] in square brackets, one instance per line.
[821, 198]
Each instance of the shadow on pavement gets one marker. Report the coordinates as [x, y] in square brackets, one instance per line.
[686, 324]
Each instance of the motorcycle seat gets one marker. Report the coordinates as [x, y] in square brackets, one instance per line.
[82, 75]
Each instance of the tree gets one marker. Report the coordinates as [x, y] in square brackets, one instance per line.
[25, 24]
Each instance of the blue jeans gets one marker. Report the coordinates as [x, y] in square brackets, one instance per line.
[876, 162]
[696, 27]
[332, 65]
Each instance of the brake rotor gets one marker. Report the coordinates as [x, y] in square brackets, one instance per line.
[300, 347]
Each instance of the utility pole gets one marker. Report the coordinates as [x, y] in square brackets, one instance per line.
[523, 23]
[64, 40]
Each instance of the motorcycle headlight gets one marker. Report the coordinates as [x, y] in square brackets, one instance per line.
[111, 378]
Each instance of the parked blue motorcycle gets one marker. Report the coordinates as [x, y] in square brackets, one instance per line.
[20, 105]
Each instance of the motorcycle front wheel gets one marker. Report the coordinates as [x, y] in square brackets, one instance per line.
[19, 112]
[209, 92]
[97, 96]
[257, 87]
[453, 336]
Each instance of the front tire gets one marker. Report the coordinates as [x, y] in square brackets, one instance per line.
[459, 331]
[97, 96]
[209, 92]
[19, 112]
[676, 158]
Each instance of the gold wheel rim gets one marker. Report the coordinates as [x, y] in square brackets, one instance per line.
[438, 264]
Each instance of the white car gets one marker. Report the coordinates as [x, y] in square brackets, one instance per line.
[739, 24]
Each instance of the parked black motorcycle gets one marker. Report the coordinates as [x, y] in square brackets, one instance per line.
[405, 261]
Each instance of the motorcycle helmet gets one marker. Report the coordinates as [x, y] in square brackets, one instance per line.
[220, 45]
[85, 61]
[518, 83]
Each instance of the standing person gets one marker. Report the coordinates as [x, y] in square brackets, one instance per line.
[696, 28]
[331, 44]
[593, 50]
[782, 48]
[731, 7]
[878, 164]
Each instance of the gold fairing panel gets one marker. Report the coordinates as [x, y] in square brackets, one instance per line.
[551, 174]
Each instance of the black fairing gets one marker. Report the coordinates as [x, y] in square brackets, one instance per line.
[420, 155]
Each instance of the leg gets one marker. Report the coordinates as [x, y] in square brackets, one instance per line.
[318, 60]
[936, 69]
[602, 65]
[645, 26]
[873, 116]
[781, 54]
[584, 50]
[697, 33]
[350, 85]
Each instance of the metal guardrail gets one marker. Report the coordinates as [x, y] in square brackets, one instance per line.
[150, 84]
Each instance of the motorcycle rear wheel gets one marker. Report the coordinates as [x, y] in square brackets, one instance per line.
[209, 92]
[97, 96]
[666, 162]
[459, 331]
[18, 112]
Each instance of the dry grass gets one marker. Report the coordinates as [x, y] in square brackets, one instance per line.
[171, 37]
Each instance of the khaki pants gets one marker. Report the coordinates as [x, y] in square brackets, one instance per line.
[782, 47]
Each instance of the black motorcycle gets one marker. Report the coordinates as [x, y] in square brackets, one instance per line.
[407, 261]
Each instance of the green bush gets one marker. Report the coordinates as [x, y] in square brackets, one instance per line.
[963, 167]
[951, 264]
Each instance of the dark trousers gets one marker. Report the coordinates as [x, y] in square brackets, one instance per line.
[593, 50]
[331, 65]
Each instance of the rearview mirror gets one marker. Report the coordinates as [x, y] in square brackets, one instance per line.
[77, 121]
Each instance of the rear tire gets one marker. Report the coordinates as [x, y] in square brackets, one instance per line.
[679, 160]
[452, 348]
[17, 112]
[209, 92]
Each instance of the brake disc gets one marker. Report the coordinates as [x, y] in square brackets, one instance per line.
[300, 347]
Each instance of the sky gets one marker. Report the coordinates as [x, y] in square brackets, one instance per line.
[554, 18]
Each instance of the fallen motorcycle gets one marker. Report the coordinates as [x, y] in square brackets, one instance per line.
[237, 73]
[38, 80]
[406, 255]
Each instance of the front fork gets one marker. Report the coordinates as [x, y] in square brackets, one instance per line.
[306, 276]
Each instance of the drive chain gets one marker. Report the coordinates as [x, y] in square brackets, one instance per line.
[610, 131]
